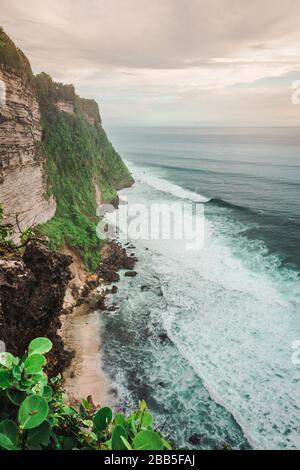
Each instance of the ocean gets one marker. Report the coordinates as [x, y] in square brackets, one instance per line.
[206, 337]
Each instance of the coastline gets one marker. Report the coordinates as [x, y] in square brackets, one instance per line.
[80, 323]
[85, 376]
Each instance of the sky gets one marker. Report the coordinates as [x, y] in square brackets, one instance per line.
[168, 62]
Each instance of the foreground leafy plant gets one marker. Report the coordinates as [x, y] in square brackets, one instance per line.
[34, 414]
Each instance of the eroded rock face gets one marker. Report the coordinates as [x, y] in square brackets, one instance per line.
[113, 258]
[32, 290]
[22, 182]
[66, 106]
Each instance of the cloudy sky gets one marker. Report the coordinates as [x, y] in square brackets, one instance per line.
[168, 62]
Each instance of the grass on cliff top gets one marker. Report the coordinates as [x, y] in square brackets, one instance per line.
[78, 155]
[12, 57]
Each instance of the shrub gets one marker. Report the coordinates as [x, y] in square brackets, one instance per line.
[78, 156]
[34, 414]
[5, 230]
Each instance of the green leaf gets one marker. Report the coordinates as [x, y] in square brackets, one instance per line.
[39, 435]
[102, 418]
[33, 412]
[8, 360]
[34, 447]
[40, 378]
[83, 412]
[25, 384]
[15, 396]
[116, 441]
[34, 364]
[146, 420]
[86, 404]
[120, 419]
[6, 443]
[38, 389]
[10, 430]
[131, 422]
[88, 423]
[6, 378]
[68, 443]
[147, 440]
[142, 405]
[48, 393]
[107, 445]
[17, 372]
[126, 443]
[166, 444]
[39, 346]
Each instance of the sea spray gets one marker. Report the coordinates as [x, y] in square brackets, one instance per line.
[209, 336]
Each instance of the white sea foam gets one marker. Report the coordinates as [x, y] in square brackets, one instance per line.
[233, 316]
[163, 185]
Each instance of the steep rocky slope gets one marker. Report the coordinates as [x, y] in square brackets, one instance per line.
[22, 182]
[32, 290]
[56, 166]
[56, 162]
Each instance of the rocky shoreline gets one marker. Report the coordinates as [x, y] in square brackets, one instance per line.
[32, 289]
[49, 293]
[80, 329]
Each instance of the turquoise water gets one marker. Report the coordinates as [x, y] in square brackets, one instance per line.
[206, 338]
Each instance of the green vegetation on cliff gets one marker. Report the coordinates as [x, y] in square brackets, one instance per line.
[79, 158]
[81, 166]
[13, 58]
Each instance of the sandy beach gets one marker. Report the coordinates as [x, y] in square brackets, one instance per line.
[81, 325]
[84, 377]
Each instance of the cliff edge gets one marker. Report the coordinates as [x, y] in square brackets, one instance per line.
[22, 182]
[56, 162]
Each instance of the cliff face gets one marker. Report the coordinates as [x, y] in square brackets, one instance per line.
[32, 290]
[22, 182]
[56, 162]
[82, 167]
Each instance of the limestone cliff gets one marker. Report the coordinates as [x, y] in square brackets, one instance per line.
[56, 162]
[22, 182]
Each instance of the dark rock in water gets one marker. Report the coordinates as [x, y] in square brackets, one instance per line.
[159, 293]
[32, 290]
[101, 303]
[112, 308]
[163, 337]
[145, 288]
[114, 257]
[195, 439]
[131, 273]
[128, 263]
[109, 275]
[113, 391]
[113, 290]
